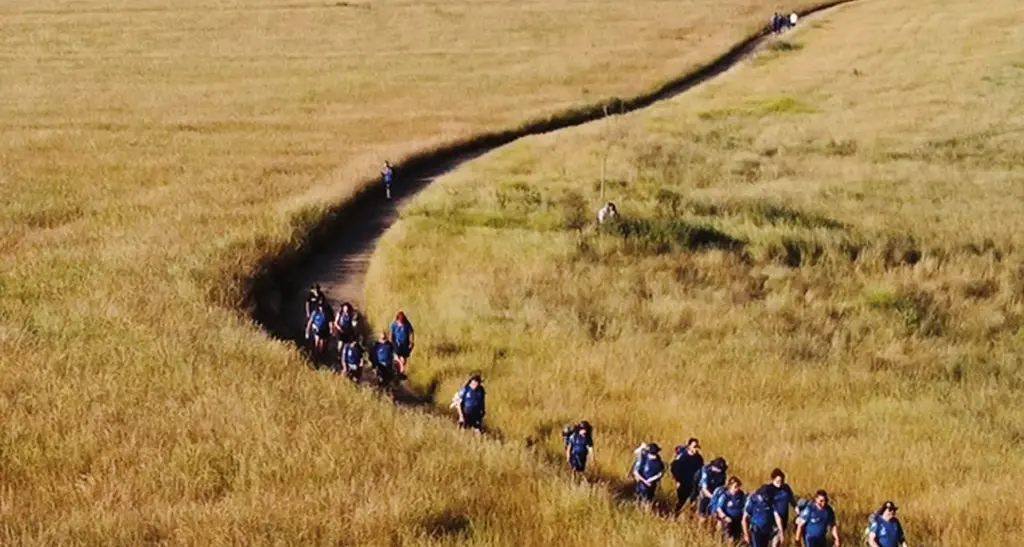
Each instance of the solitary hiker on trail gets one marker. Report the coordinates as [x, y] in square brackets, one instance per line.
[387, 174]
[351, 359]
[711, 477]
[814, 522]
[579, 444]
[607, 213]
[783, 500]
[762, 523]
[404, 339]
[345, 323]
[648, 474]
[383, 358]
[317, 328]
[728, 507]
[471, 403]
[885, 529]
[685, 466]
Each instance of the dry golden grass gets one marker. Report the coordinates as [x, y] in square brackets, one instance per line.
[820, 268]
[151, 153]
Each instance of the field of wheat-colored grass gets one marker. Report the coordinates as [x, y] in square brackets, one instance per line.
[819, 267]
[153, 152]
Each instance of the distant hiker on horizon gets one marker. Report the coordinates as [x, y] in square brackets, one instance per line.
[776, 22]
[685, 467]
[815, 521]
[606, 213]
[579, 444]
[648, 473]
[387, 174]
[471, 403]
[404, 338]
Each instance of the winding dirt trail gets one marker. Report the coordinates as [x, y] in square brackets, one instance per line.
[338, 255]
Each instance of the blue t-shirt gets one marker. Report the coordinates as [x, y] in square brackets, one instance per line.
[318, 318]
[888, 533]
[473, 399]
[784, 499]
[580, 444]
[651, 467]
[352, 354]
[384, 353]
[710, 479]
[345, 321]
[731, 504]
[817, 521]
[400, 333]
[760, 509]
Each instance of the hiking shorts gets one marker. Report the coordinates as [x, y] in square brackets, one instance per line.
[704, 506]
[473, 419]
[815, 542]
[403, 351]
[644, 493]
[578, 461]
[733, 530]
[762, 537]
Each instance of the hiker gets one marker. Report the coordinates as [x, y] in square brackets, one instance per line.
[579, 444]
[712, 476]
[776, 23]
[314, 297]
[762, 523]
[345, 323]
[351, 359]
[728, 508]
[638, 457]
[404, 338]
[814, 522]
[685, 466]
[793, 18]
[648, 473]
[383, 358]
[607, 213]
[470, 402]
[317, 327]
[387, 174]
[783, 500]
[885, 529]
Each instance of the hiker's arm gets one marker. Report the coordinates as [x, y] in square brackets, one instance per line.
[780, 527]
[799, 527]
[568, 451]
[835, 535]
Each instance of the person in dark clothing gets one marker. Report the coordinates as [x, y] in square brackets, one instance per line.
[472, 404]
[579, 444]
[685, 466]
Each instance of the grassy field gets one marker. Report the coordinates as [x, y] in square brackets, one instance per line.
[820, 266]
[152, 152]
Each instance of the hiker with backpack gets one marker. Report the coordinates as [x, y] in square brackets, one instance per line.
[727, 507]
[815, 521]
[345, 323]
[317, 328]
[711, 477]
[387, 174]
[404, 339]
[685, 468]
[647, 473]
[314, 297]
[607, 213]
[762, 523]
[471, 403]
[784, 499]
[884, 529]
[382, 356]
[579, 444]
[351, 359]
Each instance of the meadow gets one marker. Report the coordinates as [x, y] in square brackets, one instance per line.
[818, 266]
[153, 153]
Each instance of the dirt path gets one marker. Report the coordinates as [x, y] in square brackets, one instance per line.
[338, 257]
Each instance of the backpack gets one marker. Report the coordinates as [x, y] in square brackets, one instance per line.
[716, 498]
[638, 456]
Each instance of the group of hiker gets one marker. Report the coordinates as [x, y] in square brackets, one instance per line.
[759, 519]
[780, 22]
[388, 355]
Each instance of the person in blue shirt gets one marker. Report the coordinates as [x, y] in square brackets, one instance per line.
[472, 404]
[712, 476]
[579, 444]
[351, 359]
[387, 174]
[814, 522]
[886, 530]
[382, 355]
[648, 474]
[728, 507]
[784, 499]
[761, 519]
[318, 327]
[404, 339]
[345, 323]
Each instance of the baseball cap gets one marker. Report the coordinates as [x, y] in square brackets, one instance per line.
[889, 505]
[653, 448]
